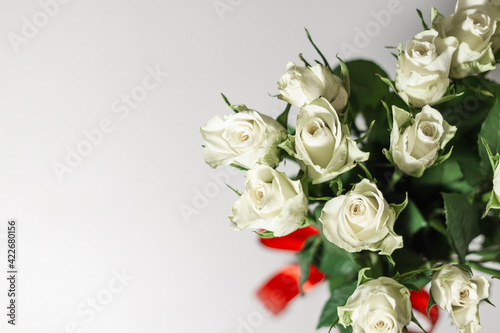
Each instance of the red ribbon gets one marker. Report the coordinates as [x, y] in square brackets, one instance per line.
[284, 286]
[419, 301]
[291, 242]
[276, 293]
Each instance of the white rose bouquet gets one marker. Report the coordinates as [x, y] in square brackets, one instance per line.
[387, 180]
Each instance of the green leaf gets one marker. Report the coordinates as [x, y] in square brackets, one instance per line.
[338, 298]
[283, 117]
[490, 131]
[422, 18]
[473, 174]
[334, 261]
[367, 90]
[479, 267]
[461, 221]
[413, 287]
[317, 50]
[305, 258]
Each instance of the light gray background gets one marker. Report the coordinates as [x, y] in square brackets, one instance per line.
[119, 209]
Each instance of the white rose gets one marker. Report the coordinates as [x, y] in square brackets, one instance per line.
[243, 138]
[473, 24]
[301, 85]
[323, 144]
[459, 294]
[376, 306]
[423, 69]
[271, 201]
[415, 143]
[361, 220]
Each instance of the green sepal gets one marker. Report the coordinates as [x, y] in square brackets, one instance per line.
[234, 190]
[398, 208]
[344, 72]
[367, 173]
[443, 157]
[430, 304]
[238, 167]
[415, 320]
[362, 278]
[265, 234]
[306, 63]
[236, 108]
[288, 145]
[283, 117]
[388, 81]
[448, 98]
[493, 203]
[337, 182]
[317, 50]
[391, 261]
[389, 116]
[422, 18]
[388, 155]
[319, 199]
[367, 133]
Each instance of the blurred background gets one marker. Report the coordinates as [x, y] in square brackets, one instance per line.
[122, 227]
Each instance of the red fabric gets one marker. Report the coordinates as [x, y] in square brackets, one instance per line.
[276, 293]
[419, 301]
[291, 242]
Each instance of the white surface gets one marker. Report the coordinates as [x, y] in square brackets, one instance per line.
[119, 208]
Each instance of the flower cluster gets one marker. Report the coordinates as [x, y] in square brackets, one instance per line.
[390, 141]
